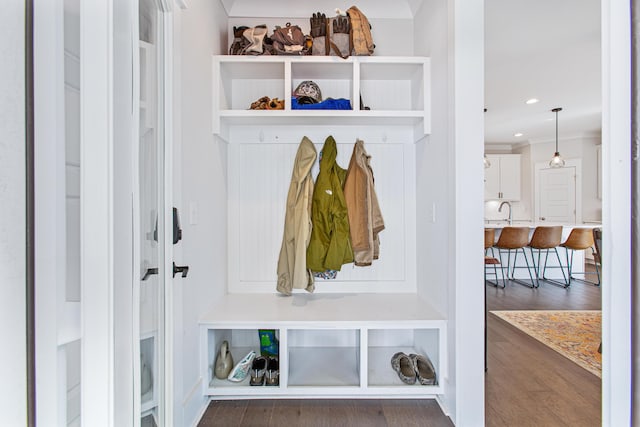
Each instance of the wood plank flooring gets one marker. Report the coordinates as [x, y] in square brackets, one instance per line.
[327, 413]
[526, 384]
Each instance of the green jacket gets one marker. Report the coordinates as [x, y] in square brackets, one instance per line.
[330, 245]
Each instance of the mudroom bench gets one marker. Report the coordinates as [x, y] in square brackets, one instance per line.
[330, 345]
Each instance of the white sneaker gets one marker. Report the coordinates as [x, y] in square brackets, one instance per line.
[240, 371]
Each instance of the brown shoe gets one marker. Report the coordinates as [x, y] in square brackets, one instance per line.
[276, 104]
[260, 104]
[273, 372]
[258, 368]
[402, 364]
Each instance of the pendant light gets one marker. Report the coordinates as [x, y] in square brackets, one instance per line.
[487, 162]
[556, 161]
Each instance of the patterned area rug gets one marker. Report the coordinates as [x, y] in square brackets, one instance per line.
[574, 334]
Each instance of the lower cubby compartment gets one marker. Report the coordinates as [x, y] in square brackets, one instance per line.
[324, 358]
[384, 343]
[241, 342]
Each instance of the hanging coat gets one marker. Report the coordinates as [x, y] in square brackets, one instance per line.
[292, 268]
[330, 245]
[365, 217]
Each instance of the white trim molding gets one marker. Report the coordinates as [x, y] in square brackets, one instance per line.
[96, 133]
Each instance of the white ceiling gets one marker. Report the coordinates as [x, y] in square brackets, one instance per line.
[544, 49]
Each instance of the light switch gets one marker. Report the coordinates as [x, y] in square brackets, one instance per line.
[193, 213]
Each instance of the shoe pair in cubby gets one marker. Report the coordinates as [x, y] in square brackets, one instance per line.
[265, 371]
[414, 367]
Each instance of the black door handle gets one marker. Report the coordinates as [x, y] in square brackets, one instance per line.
[183, 269]
[149, 272]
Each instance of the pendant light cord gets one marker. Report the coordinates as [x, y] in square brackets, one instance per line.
[557, 129]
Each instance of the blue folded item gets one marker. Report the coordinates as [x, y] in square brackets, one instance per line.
[327, 104]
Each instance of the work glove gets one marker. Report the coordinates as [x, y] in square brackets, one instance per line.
[341, 25]
[318, 25]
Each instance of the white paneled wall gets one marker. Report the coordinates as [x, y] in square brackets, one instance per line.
[259, 178]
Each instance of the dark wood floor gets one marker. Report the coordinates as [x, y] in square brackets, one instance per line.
[527, 383]
[326, 413]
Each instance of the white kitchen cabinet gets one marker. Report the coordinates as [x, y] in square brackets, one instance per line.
[502, 178]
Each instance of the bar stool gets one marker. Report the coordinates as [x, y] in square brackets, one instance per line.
[597, 256]
[514, 239]
[489, 239]
[546, 238]
[579, 239]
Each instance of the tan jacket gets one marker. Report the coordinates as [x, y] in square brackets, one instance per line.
[292, 263]
[365, 217]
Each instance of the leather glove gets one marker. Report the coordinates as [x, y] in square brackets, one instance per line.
[318, 25]
[341, 25]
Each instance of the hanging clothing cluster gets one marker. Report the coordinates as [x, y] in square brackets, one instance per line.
[333, 222]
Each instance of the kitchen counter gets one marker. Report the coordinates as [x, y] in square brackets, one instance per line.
[502, 224]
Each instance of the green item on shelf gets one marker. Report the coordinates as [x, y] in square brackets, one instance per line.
[268, 342]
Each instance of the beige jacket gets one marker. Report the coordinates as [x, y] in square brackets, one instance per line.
[365, 217]
[292, 263]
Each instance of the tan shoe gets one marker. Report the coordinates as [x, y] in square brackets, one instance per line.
[402, 364]
[424, 369]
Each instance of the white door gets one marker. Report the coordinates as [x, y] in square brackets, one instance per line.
[557, 195]
[149, 196]
[98, 326]
[58, 202]
[72, 179]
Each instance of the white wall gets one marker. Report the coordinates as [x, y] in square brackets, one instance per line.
[433, 259]
[583, 148]
[13, 405]
[449, 189]
[200, 32]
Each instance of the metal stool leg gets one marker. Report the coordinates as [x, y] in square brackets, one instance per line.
[515, 259]
[571, 272]
[566, 282]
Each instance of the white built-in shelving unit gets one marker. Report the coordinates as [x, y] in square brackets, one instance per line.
[339, 340]
[394, 88]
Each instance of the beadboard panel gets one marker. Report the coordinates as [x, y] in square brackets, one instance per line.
[259, 178]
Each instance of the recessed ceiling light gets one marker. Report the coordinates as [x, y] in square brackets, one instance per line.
[532, 101]
[518, 135]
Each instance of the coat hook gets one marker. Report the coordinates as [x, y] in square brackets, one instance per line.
[261, 136]
[384, 137]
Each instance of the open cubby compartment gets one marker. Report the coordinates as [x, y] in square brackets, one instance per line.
[148, 357]
[397, 85]
[383, 343]
[241, 342]
[334, 76]
[241, 82]
[323, 358]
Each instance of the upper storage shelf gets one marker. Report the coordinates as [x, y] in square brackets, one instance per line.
[396, 90]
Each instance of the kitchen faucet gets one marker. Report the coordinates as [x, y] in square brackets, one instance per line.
[508, 204]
